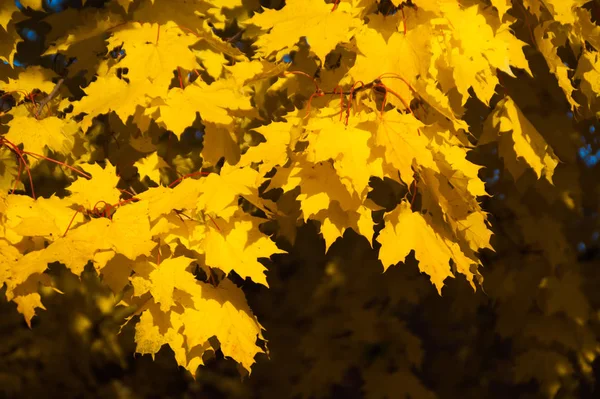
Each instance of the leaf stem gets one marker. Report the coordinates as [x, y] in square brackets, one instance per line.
[48, 98]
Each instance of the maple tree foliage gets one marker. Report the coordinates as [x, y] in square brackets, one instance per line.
[190, 141]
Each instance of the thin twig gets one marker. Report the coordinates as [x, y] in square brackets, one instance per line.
[234, 37]
[46, 100]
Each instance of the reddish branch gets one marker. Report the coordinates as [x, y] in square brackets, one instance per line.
[376, 83]
[200, 173]
[23, 163]
[107, 211]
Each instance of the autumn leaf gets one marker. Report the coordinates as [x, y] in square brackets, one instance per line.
[46, 217]
[406, 230]
[38, 134]
[214, 102]
[312, 19]
[99, 191]
[9, 169]
[219, 311]
[150, 167]
[222, 311]
[404, 145]
[154, 51]
[547, 40]
[128, 233]
[273, 151]
[518, 133]
[403, 58]
[163, 200]
[33, 77]
[101, 94]
[27, 297]
[180, 136]
[237, 244]
[7, 9]
[163, 279]
[219, 191]
[9, 39]
[348, 147]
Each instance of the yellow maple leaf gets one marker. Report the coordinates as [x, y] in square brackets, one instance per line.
[153, 331]
[101, 94]
[548, 41]
[406, 56]
[335, 221]
[584, 29]
[325, 198]
[87, 36]
[517, 132]
[348, 147]
[451, 199]
[502, 6]
[7, 9]
[9, 254]
[115, 273]
[154, 51]
[9, 39]
[33, 77]
[163, 200]
[510, 52]
[22, 267]
[562, 10]
[150, 166]
[237, 244]
[319, 186]
[220, 312]
[27, 297]
[162, 281]
[174, 230]
[9, 171]
[588, 70]
[37, 134]
[127, 233]
[212, 61]
[474, 50]
[461, 171]
[223, 312]
[248, 72]
[475, 73]
[312, 19]
[475, 231]
[214, 102]
[45, 217]
[406, 230]
[220, 141]
[156, 328]
[274, 151]
[98, 191]
[405, 147]
[186, 13]
[219, 191]
[439, 191]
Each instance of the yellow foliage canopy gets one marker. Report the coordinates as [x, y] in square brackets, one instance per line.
[361, 101]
